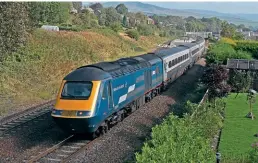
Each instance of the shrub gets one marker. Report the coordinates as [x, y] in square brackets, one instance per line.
[220, 52]
[116, 26]
[133, 34]
[253, 155]
[145, 29]
[249, 46]
[228, 41]
[184, 139]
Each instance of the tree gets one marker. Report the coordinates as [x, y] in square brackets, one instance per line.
[240, 81]
[125, 23]
[77, 6]
[14, 26]
[48, 12]
[96, 6]
[122, 9]
[109, 16]
[251, 99]
[215, 78]
[227, 30]
[88, 20]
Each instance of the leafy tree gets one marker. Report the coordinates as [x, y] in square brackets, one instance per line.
[145, 29]
[215, 78]
[240, 81]
[77, 6]
[88, 20]
[49, 12]
[109, 16]
[116, 26]
[125, 23]
[14, 26]
[122, 9]
[96, 6]
[220, 52]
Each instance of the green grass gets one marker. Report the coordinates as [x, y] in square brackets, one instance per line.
[238, 131]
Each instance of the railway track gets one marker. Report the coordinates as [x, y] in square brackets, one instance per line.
[61, 152]
[19, 121]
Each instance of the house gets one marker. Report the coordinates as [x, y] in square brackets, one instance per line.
[90, 10]
[150, 21]
[73, 10]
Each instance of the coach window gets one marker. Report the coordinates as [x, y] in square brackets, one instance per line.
[170, 64]
[173, 62]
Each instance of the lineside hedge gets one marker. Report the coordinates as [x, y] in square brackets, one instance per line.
[185, 139]
[250, 46]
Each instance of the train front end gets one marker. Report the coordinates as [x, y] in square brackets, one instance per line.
[75, 109]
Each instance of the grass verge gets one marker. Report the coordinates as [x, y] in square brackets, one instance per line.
[238, 131]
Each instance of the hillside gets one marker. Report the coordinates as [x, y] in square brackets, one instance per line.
[34, 73]
[149, 9]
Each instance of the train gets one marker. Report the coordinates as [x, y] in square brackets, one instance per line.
[94, 97]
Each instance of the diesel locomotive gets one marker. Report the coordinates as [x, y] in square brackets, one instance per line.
[94, 97]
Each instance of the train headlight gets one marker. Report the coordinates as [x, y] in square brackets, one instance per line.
[83, 113]
[56, 112]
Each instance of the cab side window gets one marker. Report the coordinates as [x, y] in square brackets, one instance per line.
[104, 93]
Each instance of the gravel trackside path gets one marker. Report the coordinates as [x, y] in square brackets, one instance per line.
[127, 137]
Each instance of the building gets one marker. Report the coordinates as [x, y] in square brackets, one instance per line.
[150, 21]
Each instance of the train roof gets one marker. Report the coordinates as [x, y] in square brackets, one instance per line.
[150, 57]
[104, 70]
[186, 44]
[87, 74]
[170, 51]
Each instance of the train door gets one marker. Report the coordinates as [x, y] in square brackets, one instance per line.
[154, 75]
[147, 79]
[110, 95]
[107, 98]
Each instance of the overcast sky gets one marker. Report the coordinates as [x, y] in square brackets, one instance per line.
[225, 7]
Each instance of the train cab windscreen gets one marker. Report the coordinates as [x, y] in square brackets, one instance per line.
[77, 90]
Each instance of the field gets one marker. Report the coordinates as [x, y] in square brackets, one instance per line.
[33, 74]
[238, 131]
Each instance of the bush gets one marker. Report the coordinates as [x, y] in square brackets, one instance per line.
[253, 155]
[228, 41]
[145, 29]
[220, 52]
[184, 139]
[249, 46]
[116, 26]
[133, 34]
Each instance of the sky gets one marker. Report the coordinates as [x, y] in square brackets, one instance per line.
[223, 7]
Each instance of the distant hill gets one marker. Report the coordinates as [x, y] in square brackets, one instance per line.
[151, 9]
[246, 19]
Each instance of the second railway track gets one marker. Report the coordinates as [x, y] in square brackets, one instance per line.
[34, 114]
[61, 152]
